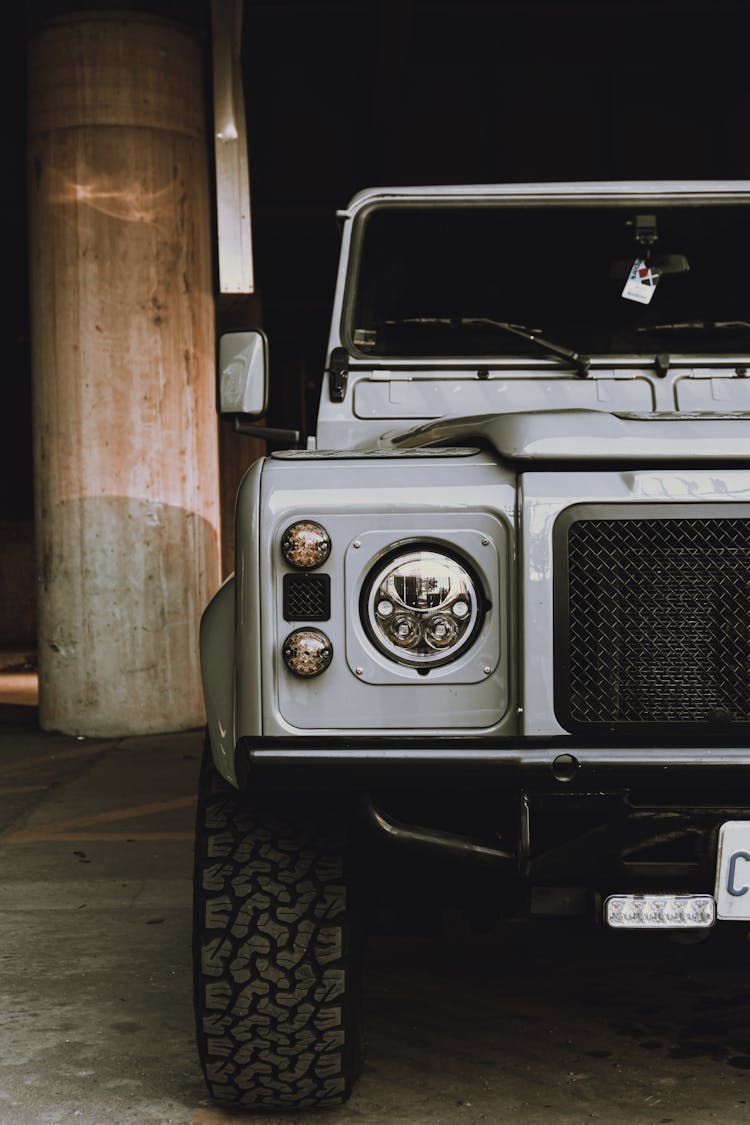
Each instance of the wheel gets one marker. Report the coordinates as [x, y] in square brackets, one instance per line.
[276, 950]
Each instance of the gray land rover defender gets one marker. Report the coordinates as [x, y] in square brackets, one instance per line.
[487, 643]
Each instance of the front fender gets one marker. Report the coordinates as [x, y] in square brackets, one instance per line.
[217, 671]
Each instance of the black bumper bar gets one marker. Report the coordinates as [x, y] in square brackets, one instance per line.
[362, 762]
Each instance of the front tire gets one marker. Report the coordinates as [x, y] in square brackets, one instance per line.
[277, 950]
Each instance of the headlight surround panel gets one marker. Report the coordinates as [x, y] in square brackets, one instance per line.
[478, 545]
[422, 606]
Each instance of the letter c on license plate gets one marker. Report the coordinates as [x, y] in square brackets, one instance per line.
[733, 871]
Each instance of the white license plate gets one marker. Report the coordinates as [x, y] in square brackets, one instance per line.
[733, 871]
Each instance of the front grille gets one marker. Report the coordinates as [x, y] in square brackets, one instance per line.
[654, 622]
[307, 597]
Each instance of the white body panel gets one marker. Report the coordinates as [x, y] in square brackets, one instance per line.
[466, 504]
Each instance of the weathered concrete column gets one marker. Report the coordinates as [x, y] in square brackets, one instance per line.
[126, 461]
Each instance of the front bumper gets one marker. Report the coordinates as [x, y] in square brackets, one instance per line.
[540, 761]
[555, 817]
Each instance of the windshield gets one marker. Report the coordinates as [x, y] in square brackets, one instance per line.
[431, 280]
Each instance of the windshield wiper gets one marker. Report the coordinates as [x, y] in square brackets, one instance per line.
[688, 325]
[422, 320]
[580, 362]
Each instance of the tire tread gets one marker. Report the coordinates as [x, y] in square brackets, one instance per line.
[276, 952]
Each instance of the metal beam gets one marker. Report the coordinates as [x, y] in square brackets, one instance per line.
[235, 251]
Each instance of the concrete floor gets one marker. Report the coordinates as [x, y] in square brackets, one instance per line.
[537, 1025]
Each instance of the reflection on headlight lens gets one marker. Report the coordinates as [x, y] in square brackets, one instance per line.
[403, 630]
[440, 631]
[422, 607]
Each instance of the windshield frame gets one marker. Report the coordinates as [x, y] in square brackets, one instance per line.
[527, 197]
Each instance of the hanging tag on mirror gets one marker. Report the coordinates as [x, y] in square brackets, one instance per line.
[641, 283]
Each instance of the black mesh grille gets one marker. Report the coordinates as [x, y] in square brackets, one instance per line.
[307, 597]
[658, 627]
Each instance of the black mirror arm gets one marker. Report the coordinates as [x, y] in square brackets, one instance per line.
[268, 433]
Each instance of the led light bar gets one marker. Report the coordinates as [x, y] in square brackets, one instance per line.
[660, 912]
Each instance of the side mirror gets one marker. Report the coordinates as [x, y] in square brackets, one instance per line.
[243, 373]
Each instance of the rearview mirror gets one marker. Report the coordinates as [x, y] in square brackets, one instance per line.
[661, 263]
[670, 263]
[243, 373]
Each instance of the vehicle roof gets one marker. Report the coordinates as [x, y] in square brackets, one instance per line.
[666, 190]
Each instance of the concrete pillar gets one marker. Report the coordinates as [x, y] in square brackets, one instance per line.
[125, 443]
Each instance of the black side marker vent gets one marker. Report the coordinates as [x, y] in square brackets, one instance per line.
[307, 597]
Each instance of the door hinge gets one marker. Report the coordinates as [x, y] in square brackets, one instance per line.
[338, 372]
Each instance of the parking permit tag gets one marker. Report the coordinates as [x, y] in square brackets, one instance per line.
[641, 283]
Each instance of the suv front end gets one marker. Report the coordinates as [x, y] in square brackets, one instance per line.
[488, 639]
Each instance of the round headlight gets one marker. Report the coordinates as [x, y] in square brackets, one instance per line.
[307, 652]
[422, 607]
[305, 545]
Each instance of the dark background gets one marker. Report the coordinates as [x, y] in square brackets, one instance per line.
[345, 95]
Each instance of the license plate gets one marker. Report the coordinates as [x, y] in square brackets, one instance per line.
[733, 871]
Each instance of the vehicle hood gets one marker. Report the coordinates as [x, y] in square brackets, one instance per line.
[590, 435]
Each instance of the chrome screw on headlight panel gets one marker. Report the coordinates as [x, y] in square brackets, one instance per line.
[422, 606]
[305, 545]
